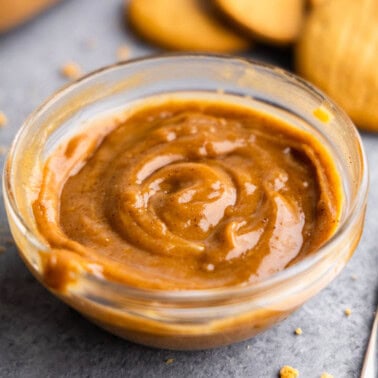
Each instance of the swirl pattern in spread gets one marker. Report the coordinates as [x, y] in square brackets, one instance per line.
[193, 196]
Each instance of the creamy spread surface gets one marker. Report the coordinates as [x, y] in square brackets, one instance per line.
[187, 194]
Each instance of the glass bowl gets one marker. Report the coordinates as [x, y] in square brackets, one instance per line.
[195, 319]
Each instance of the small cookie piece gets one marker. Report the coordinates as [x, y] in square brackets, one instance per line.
[288, 372]
[71, 70]
[3, 149]
[326, 375]
[275, 21]
[338, 52]
[298, 331]
[3, 119]
[123, 53]
[182, 25]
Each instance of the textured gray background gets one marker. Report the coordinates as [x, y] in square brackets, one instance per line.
[42, 337]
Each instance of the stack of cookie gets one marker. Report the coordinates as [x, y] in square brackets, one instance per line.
[336, 41]
[216, 25]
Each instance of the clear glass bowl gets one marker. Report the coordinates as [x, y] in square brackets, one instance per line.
[203, 318]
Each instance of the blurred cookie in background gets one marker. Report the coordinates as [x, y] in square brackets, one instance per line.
[16, 12]
[186, 25]
[338, 52]
[277, 22]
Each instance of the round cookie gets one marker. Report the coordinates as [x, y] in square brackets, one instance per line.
[338, 51]
[275, 21]
[182, 25]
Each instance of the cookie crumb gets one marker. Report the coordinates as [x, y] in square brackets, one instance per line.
[326, 375]
[210, 267]
[322, 114]
[298, 331]
[348, 312]
[123, 52]
[2, 249]
[3, 119]
[169, 361]
[3, 150]
[71, 70]
[354, 277]
[288, 372]
[248, 346]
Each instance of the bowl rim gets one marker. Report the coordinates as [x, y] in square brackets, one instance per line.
[199, 294]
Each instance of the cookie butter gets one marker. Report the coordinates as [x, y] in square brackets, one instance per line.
[186, 194]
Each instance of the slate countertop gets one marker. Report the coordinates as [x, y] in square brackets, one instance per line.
[42, 337]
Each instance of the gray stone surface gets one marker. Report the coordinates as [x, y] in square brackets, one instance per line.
[42, 337]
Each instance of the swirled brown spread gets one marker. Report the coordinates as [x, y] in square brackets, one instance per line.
[187, 195]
